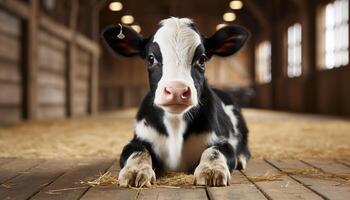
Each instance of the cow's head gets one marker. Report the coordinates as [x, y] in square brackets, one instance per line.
[176, 54]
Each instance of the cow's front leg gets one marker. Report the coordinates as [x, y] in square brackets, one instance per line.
[213, 169]
[137, 170]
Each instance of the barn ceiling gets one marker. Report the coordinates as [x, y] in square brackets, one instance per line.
[148, 13]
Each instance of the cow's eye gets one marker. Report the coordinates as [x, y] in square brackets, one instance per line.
[151, 59]
[201, 61]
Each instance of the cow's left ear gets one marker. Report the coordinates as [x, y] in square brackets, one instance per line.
[226, 41]
[123, 40]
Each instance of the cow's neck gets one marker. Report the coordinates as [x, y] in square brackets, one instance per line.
[175, 124]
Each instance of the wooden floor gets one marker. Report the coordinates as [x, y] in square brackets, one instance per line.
[61, 179]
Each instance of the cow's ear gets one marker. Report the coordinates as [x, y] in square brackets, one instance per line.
[123, 40]
[226, 41]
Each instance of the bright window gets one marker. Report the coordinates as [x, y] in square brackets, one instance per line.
[337, 34]
[294, 51]
[263, 62]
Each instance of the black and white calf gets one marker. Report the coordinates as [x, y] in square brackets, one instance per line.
[182, 124]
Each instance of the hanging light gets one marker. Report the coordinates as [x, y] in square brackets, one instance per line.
[115, 6]
[229, 17]
[236, 4]
[127, 19]
[220, 26]
[49, 5]
[136, 27]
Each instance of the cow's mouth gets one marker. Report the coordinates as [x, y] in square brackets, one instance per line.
[176, 108]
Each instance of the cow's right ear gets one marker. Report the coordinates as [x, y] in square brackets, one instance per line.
[123, 40]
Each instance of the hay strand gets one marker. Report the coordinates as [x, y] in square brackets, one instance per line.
[58, 191]
[103, 180]
[268, 176]
[175, 179]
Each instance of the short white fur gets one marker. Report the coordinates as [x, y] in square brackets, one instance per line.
[177, 154]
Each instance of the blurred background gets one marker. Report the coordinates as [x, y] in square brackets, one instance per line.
[53, 65]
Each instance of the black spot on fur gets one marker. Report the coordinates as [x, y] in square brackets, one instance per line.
[227, 150]
[137, 145]
[214, 155]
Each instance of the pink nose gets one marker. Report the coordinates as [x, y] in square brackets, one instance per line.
[175, 93]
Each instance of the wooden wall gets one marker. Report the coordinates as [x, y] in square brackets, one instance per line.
[47, 70]
[318, 90]
[333, 89]
[82, 82]
[52, 79]
[232, 71]
[10, 67]
[123, 82]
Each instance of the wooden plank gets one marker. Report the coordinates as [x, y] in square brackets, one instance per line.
[83, 71]
[16, 167]
[48, 79]
[88, 44]
[165, 193]
[328, 166]
[29, 183]
[240, 188]
[9, 24]
[9, 48]
[52, 59]
[51, 111]
[31, 60]
[18, 7]
[110, 192]
[113, 192]
[72, 56]
[94, 84]
[120, 193]
[67, 34]
[51, 95]
[63, 187]
[10, 93]
[84, 57]
[5, 160]
[329, 189]
[52, 41]
[80, 110]
[9, 114]
[344, 162]
[82, 86]
[10, 72]
[283, 188]
[55, 28]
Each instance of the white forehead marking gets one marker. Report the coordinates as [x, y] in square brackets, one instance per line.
[177, 41]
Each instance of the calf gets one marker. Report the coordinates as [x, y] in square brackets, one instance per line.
[182, 123]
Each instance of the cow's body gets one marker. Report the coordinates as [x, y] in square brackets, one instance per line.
[184, 125]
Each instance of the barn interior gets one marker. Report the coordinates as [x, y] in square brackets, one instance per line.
[54, 66]
[64, 95]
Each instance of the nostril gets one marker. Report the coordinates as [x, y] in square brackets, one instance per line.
[167, 91]
[186, 94]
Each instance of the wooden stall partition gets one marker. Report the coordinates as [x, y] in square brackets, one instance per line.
[328, 90]
[39, 78]
[52, 76]
[264, 96]
[82, 79]
[11, 92]
[344, 91]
